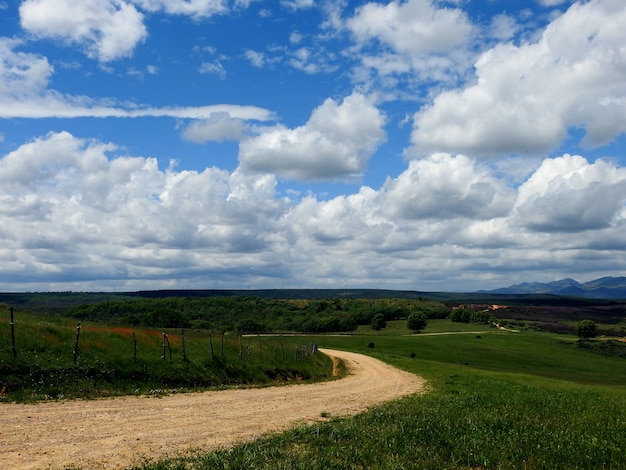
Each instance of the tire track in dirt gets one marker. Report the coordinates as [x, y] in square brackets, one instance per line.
[119, 432]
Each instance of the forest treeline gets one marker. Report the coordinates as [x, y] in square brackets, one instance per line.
[250, 314]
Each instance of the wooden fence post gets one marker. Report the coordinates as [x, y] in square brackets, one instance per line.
[76, 343]
[134, 347]
[240, 348]
[166, 340]
[13, 348]
[211, 341]
[182, 338]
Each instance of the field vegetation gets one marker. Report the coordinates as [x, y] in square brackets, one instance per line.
[516, 397]
[497, 400]
[55, 358]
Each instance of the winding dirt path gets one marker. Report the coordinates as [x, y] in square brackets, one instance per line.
[119, 432]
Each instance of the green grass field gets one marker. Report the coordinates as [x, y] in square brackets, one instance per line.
[496, 400]
[111, 361]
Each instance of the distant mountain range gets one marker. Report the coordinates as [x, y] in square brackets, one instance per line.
[603, 288]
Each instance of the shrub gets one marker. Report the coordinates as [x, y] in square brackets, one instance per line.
[416, 322]
[378, 322]
[586, 329]
[460, 315]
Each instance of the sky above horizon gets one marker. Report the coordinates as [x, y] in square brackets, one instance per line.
[206, 144]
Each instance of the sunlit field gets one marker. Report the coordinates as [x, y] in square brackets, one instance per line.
[496, 400]
[56, 359]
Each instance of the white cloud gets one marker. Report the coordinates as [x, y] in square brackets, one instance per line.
[311, 60]
[218, 127]
[551, 3]
[107, 30]
[423, 37]
[60, 106]
[298, 4]
[443, 186]
[336, 142]
[257, 59]
[78, 209]
[213, 68]
[79, 213]
[412, 27]
[527, 97]
[295, 37]
[194, 8]
[24, 80]
[503, 27]
[21, 74]
[447, 221]
[568, 194]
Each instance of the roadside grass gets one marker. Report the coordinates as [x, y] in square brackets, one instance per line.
[398, 327]
[502, 401]
[535, 353]
[107, 364]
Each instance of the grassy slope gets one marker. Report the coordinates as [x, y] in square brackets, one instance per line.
[44, 367]
[502, 401]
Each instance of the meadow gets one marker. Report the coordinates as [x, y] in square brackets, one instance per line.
[57, 359]
[496, 400]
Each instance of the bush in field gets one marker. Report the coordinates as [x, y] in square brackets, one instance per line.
[378, 322]
[461, 315]
[481, 317]
[416, 322]
[586, 329]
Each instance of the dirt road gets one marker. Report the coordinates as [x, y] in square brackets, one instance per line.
[115, 433]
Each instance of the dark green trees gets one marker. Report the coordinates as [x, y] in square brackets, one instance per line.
[586, 329]
[378, 322]
[416, 322]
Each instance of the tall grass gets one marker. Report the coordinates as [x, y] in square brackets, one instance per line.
[107, 364]
[476, 421]
[501, 401]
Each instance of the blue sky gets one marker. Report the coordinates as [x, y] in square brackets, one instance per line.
[417, 144]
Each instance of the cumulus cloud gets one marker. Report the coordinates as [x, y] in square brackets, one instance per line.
[336, 142]
[503, 27]
[80, 213]
[445, 186]
[568, 194]
[69, 205]
[21, 74]
[413, 33]
[526, 98]
[107, 30]
[440, 236]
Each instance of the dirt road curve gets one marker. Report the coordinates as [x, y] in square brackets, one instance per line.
[114, 433]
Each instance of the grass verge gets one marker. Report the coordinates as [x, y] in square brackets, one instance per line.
[498, 402]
